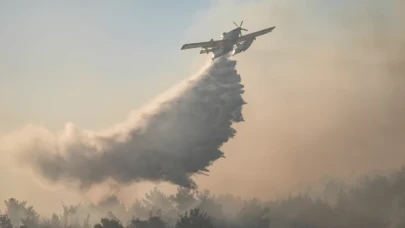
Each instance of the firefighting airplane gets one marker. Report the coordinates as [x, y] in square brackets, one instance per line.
[230, 41]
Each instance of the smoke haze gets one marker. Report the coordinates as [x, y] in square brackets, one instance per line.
[325, 95]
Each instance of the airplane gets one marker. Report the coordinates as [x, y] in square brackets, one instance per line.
[232, 41]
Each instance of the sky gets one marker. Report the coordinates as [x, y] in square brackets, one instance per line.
[89, 63]
[80, 57]
[54, 52]
[321, 89]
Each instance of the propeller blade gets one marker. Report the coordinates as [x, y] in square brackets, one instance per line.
[235, 24]
[241, 24]
[244, 29]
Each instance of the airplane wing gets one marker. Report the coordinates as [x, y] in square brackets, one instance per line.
[255, 34]
[209, 44]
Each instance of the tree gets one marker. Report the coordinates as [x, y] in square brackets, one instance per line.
[157, 200]
[5, 221]
[184, 199]
[139, 209]
[19, 214]
[195, 219]
[254, 215]
[153, 222]
[86, 222]
[109, 223]
[68, 217]
[15, 210]
[208, 204]
[110, 205]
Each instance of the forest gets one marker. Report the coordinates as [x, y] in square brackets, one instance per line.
[373, 201]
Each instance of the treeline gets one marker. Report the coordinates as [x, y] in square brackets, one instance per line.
[374, 202]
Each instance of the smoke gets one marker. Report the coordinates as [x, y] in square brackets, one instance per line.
[326, 93]
[173, 138]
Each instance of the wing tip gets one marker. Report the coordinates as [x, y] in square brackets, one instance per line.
[185, 46]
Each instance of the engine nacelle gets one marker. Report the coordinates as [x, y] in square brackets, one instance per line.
[243, 46]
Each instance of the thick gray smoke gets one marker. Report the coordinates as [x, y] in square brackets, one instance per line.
[170, 140]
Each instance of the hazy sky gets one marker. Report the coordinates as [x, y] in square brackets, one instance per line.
[79, 57]
[66, 60]
[90, 63]
[314, 86]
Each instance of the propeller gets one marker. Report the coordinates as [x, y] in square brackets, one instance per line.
[240, 27]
